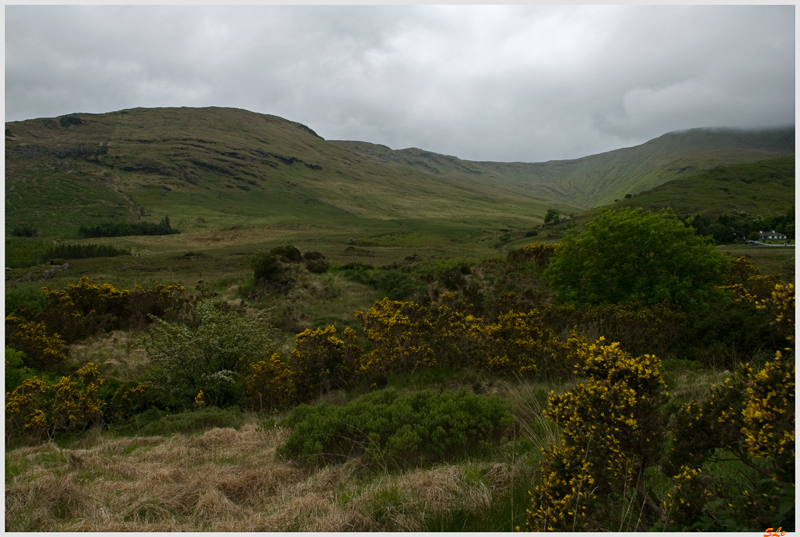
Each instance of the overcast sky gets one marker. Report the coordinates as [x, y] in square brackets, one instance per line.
[500, 83]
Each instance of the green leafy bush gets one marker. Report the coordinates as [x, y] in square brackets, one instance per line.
[16, 372]
[29, 298]
[164, 424]
[266, 266]
[397, 430]
[212, 358]
[633, 255]
[288, 253]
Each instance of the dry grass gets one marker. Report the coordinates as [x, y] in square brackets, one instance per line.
[227, 480]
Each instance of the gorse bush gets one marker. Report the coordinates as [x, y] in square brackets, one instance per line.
[83, 309]
[394, 430]
[269, 385]
[41, 350]
[322, 362]
[37, 408]
[750, 419]
[612, 432]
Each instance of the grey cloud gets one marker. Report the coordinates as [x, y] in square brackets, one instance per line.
[527, 83]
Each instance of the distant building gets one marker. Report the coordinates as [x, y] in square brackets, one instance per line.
[773, 235]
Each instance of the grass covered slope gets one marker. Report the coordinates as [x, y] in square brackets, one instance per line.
[217, 168]
[765, 187]
[222, 168]
[600, 179]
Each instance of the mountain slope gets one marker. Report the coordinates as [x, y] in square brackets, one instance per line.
[219, 168]
[600, 179]
[227, 167]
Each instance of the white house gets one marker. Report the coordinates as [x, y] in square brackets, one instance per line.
[774, 235]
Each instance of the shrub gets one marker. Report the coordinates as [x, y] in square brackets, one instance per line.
[612, 432]
[83, 309]
[188, 421]
[323, 362]
[316, 262]
[27, 300]
[317, 265]
[399, 337]
[266, 266]
[749, 419]
[633, 255]
[288, 254]
[520, 343]
[269, 385]
[214, 357]
[397, 430]
[41, 351]
[24, 231]
[72, 404]
[16, 372]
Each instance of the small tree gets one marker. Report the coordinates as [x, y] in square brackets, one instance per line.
[634, 255]
[552, 216]
[214, 357]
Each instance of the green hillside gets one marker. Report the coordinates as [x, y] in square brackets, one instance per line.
[600, 179]
[233, 181]
[222, 168]
[759, 188]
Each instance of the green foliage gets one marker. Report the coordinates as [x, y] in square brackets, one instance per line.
[397, 430]
[288, 254]
[552, 216]
[25, 252]
[28, 300]
[82, 251]
[315, 262]
[397, 284]
[24, 231]
[120, 229]
[212, 358]
[266, 266]
[633, 255]
[162, 423]
[16, 372]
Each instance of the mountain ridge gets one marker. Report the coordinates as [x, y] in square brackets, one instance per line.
[227, 163]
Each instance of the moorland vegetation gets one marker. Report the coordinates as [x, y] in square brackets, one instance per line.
[632, 443]
[305, 355]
